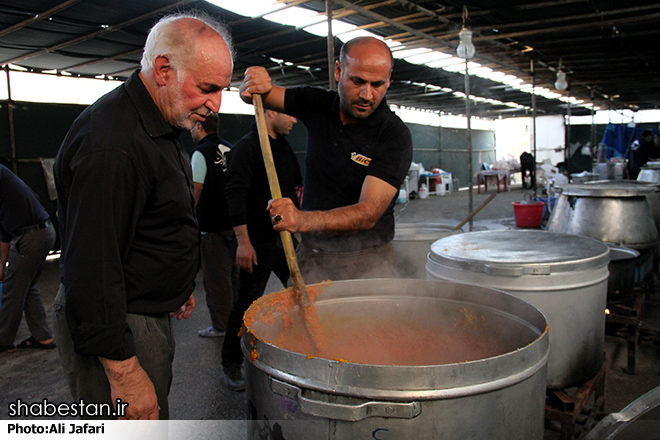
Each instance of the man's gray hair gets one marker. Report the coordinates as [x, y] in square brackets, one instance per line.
[166, 38]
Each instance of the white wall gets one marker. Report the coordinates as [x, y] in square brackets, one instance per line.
[514, 136]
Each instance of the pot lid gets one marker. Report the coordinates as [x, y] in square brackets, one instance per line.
[519, 252]
[608, 188]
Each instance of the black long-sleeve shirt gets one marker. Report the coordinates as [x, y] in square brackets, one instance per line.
[19, 205]
[247, 187]
[130, 241]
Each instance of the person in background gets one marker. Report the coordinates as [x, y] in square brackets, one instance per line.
[640, 151]
[260, 250]
[26, 237]
[218, 246]
[358, 154]
[130, 241]
[528, 165]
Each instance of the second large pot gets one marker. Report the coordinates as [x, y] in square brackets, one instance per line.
[565, 276]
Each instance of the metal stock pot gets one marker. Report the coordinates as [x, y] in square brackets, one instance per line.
[616, 212]
[437, 360]
[649, 173]
[412, 243]
[565, 276]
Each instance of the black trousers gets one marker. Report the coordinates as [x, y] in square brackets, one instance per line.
[271, 258]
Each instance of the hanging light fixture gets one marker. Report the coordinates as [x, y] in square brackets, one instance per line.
[561, 83]
[465, 47]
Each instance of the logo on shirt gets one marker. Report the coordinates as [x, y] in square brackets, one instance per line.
[220, 158]
[362, 160]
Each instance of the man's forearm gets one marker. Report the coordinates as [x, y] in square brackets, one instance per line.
[241, 233]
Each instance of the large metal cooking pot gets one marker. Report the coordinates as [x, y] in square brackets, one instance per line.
[622, 266]
[412, 243]
[565, 276]
[492, 385]
[649, 173]
[616, 212]
[653, 197]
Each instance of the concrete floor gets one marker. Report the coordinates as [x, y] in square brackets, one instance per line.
[198, 392]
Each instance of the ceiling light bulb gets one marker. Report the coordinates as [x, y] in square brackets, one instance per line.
[465, 48]
[561, 83]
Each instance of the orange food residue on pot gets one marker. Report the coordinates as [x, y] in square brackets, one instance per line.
[406, 338]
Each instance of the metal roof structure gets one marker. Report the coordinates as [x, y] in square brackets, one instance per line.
[607, 48]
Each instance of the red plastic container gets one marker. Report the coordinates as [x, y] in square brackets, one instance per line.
[528, 215]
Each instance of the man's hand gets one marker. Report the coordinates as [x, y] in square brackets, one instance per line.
[285, 216]
[257, 81]
[130, 383]
[185, 310]
[246, 256]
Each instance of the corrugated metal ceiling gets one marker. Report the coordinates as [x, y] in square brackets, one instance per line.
[608, 48]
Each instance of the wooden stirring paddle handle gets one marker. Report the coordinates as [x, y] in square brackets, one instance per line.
[276, 193]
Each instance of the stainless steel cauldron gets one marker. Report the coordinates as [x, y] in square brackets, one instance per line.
[564, 275]
[653, 197]
[297, 395]
[649, 173]
[412, 243]
[616, 212]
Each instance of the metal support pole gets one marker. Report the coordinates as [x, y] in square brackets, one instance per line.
[332, 85]
[567, 151]
[469, 139]
[531, 65]
[10, 114]
[594, 142]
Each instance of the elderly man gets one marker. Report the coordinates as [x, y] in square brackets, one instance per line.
[358, 154]
[130, 242]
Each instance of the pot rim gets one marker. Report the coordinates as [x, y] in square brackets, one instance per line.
[403, 382]
[608, 188]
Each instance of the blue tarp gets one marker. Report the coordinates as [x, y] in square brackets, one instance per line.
[618, 137]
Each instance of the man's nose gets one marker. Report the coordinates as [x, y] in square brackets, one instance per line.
[214, 101]
[366, 92]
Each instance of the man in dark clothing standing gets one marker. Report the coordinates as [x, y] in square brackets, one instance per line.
[218, 247]
[358, 155]
[26, 236]
[130, 241]
[528, 164]
[260, 250]
[639, 153]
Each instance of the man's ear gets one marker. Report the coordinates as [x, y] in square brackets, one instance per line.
[337, 70]
[162, 69]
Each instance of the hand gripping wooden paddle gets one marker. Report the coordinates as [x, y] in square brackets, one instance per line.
[287, 242]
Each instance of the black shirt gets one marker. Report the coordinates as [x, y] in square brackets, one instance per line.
[130, 241]
[339, 158]
[19, 206]
[247, 186]
[212, 212]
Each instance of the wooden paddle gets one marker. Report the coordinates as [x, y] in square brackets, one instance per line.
[276, 193]
[475, 212]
